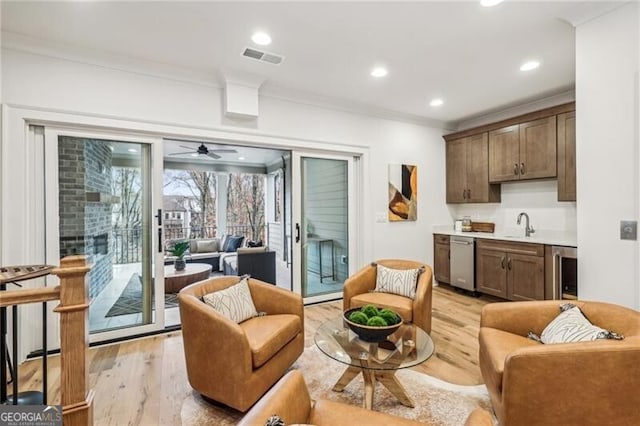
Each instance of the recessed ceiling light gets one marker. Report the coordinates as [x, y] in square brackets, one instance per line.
[261, 38]
[529, 65]
[195, 154]
[132, 150]
[240, 158]
[490, 3]
[436, 102]
[379, 72]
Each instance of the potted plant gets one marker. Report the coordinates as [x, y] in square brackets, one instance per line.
[179, 250]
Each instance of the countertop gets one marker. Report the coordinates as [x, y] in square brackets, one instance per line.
[555, 238]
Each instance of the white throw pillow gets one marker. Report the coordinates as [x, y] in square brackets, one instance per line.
[397, 281]
[572, 326]
[207, 246]
[233, 302]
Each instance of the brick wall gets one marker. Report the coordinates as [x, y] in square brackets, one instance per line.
[85, 166]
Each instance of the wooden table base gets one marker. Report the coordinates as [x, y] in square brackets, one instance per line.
[387, 378]
[376, 364]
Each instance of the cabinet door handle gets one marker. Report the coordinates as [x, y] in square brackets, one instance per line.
[502, 262]
[468, 194]
[509, 264]
[515, 169]
[464, 194]
[522, 168]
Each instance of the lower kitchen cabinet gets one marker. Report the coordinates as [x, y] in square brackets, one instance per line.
[441, 265]
[510, 270]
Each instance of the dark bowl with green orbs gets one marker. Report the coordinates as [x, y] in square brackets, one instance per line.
[368, 326]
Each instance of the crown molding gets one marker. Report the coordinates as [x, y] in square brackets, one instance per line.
[72, 53]
[582, 12]
[507, 111]
[342, 105]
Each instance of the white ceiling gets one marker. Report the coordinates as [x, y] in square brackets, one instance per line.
[464, 53]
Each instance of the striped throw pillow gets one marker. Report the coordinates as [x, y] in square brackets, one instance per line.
[402, 282]
[233, 302]
[572, 326]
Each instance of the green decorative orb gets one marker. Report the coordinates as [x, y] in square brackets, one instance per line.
[358, 318]
[376, 322]
[369, 310]
[389, 316]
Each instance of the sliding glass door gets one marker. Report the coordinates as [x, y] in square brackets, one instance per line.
[323, 220]
[101, 204]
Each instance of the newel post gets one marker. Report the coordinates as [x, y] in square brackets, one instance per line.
[75, 396]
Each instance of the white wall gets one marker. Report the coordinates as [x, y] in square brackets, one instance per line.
[607, 59]
[46, 82]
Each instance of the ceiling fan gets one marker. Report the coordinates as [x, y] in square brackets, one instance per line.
[203, 150]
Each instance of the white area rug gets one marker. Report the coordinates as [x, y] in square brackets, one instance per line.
[438, 403]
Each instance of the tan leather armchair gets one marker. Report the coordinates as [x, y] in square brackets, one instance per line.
[290, 400]
[233, 363]
[358, 292]
[581, 384]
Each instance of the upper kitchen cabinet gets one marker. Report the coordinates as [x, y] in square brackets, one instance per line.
[468, 171]
[523, 151]
[536, 145]
[567, 156]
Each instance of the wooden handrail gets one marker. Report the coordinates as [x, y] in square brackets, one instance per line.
[31, 295]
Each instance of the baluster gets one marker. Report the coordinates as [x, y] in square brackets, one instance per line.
[14, 340]
[44, 353]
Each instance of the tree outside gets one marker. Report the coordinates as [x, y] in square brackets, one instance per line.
[245, 203]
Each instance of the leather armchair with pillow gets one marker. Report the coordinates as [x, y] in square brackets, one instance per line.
[580, 384]
[234, 363]
[289, 399]
[358, 291]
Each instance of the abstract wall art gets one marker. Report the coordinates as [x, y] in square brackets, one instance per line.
[403, 192]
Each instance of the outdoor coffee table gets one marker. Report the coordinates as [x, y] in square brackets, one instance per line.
[174, 281]
[377, 362]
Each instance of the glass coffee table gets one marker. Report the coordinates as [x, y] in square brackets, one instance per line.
[377, 362]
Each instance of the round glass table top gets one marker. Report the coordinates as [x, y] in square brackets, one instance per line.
[407, 347]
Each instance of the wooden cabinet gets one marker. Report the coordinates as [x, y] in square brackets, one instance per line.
[567, 156]
[441, 266]
[510, 270]
[468, 171]
[523, 151]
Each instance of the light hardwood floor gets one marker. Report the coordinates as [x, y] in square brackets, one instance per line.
[143, 381]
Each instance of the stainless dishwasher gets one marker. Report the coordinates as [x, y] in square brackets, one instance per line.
[462, 262]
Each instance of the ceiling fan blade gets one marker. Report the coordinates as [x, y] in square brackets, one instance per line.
[224, 151]
[212, 155]
[181, 153]
[188, 147]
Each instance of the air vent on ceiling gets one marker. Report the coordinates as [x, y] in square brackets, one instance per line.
[261, 56]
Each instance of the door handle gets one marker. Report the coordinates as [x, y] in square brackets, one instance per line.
[159, 216]
[468, 194]
[522, 168]
[159, 240]
[464, 194]
[297, 232]
[502, 262]
[515, 169]
[509, 264]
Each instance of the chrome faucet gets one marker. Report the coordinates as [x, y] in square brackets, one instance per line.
[528, 230]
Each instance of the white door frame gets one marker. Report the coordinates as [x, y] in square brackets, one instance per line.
[52, 222]
[297, 213]
[18, 235]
